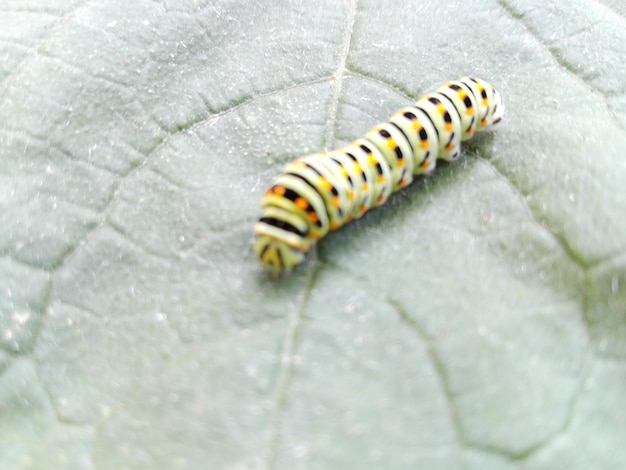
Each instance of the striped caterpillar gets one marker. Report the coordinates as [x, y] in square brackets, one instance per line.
[319, 193]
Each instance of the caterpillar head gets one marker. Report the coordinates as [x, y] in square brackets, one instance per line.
[281, 239]
[276, 255]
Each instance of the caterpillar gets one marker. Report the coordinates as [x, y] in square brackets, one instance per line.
[321, 192]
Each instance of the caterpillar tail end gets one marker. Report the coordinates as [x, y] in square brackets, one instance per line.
[498, 109]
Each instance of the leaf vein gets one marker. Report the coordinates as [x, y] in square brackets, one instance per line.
[340, 72]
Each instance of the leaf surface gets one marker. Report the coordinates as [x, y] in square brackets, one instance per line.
[476, 321]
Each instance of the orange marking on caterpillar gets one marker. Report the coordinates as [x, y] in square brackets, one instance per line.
[302, 203]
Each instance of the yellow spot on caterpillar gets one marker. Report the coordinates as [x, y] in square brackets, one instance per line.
[325, 184]
[365, 187]
[400, 163]
[313, 217]
[335, 226]
[424, 144]
[279, 190]
[351, 194]
[381, 178]
[449, 127]
[336, 202]
[372, 160]
[391, 143]
[450, 146]
[425, 164]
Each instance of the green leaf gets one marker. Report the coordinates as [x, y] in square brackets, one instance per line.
[477, 321]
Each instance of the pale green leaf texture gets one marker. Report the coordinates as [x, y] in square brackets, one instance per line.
[476, 322]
